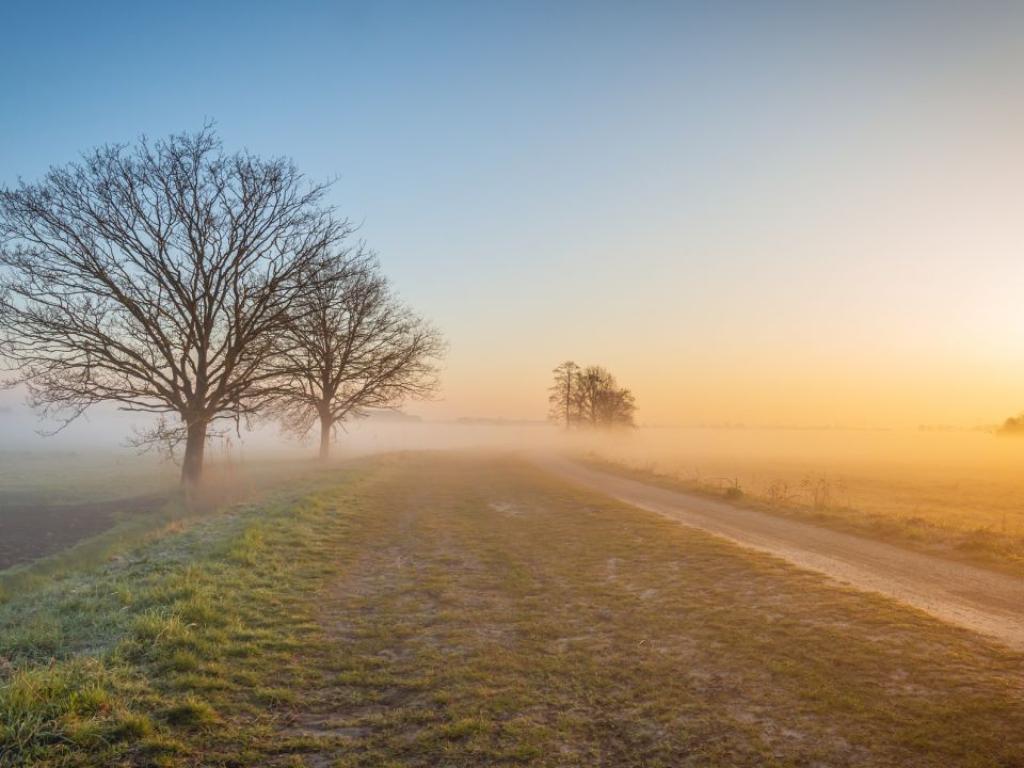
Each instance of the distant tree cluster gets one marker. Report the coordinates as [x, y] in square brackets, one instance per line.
[589, 397]
[175, 279]
[1013, 426]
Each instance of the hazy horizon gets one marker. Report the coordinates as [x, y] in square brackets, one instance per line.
[797, 215]
[105, 428]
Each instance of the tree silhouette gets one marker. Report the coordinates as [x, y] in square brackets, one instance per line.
[352, 345]
[562, 394]
[157, 277]
[589, 397]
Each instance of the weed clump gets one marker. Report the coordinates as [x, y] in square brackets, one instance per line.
[191, 712]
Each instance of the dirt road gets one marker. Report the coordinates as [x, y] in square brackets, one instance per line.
[980, 600]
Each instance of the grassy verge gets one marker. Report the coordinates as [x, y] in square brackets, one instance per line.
[427, 610]
[125, 534]
[132, 662]
[249, 482]
[985, 546]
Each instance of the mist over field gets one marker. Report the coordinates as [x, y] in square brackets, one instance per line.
[511, 384]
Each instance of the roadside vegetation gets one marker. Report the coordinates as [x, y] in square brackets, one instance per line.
[932, 521]
[428, 609]
[135, 662]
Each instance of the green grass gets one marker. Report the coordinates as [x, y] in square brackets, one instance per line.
[121, 537]
[430, 610]
[249, 482]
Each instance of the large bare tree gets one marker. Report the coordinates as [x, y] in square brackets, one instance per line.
[352, 346]
[156, 276]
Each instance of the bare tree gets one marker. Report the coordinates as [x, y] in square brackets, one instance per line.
[156, 277]
[562, 396]
[352, 346]
[590, 397]
[615, 407]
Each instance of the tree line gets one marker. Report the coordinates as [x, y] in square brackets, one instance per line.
[589, 397]
[205, 287]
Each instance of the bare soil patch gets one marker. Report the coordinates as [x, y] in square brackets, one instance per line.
[29, 531]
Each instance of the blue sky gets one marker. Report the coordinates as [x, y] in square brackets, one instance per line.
[686, 192]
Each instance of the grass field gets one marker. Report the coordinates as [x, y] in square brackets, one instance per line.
[431, 609]
[73, 477]
[953, 493]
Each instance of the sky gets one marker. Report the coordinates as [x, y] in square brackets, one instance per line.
[760, 213]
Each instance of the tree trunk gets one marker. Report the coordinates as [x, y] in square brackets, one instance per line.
[195, 447]
[568, 398]
[325, 437]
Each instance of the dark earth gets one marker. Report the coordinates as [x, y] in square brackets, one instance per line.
[29, 531]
